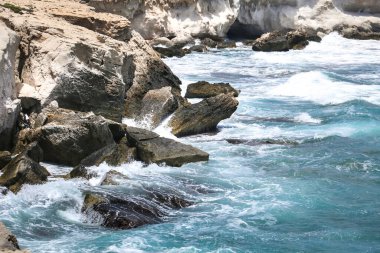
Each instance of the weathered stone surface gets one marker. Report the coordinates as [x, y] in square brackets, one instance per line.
[203, 116]
[359, 33]
[198, 48]
[154, 149]
[204, 89]
[5, 158]
[62, 59]
[131, 212]
[113, 177]
[80, 171]
[157, 105]
[278, 41]
[9, 104]
[170, 51]
[8, 242]
[22, 170]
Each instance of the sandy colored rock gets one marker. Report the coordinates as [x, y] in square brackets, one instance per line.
[204, 89]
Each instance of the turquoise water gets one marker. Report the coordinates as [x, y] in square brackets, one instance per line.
[319, 193]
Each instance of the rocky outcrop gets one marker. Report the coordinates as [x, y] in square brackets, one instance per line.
[8, 242]
[165, 18]
[154, 149]
[23, 170]
[113, 177]
[203, 116]
[204, 89]
[5, 158]
[86, 61]
[130, 212]
[9, 104]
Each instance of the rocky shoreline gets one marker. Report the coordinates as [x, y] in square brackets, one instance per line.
[71, 71]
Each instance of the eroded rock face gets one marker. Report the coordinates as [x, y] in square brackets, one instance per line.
[86, 61]
[154, 149]
[203, 116]
[113, 177]
[9, 104]
[163, 18]
[204, 89]
[8, 242]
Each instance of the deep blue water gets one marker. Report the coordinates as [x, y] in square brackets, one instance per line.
[320, 193]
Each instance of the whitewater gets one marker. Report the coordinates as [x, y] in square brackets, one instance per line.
[295, 169]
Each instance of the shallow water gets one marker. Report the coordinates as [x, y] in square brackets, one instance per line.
[318, 194]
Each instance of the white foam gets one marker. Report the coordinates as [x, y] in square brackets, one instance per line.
[306, 118]
[317, 87]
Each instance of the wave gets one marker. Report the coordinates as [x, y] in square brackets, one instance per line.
[317, 87]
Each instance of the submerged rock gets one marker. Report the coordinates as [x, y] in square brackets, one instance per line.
[204, 89]
[22, 170]
[262, 142]
[154, 149]
[203, 116]
[281, 41]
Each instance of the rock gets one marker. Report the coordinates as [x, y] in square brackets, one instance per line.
[358, 33]
[262, 142]
[80, 171]
[121, 213]
[198, 48]
[226, 44]
[91, 71]
[154, 149]
[204, 89]
[68, 136]
[203, 116]
[113, 177]
[8, 242]
[281, 41]
[5, 158]
[22, 170]
[170, 51]
[9, 104]
[131, 212]
[209, 43]
[174, 18]
[157, 105]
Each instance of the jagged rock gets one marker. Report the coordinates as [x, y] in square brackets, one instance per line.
[261, 142]
[8, 242]
[154, 149]
[90, 71]
[198, 48]
[209, 42]
[203, 116]
[131, 212]
[113, 177]
[157, 105]
[359, 33]
[22, 170]
[121, 213]
[9, 104]
[80, 171]
[204, 89]
[226, 44]
[5, 158]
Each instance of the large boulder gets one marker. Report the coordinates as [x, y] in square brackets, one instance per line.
[157, 105]
[5, 158]
[67, 137]
[204, 89]
[114, 177]
[23, 170]
[9, 104]
[8, 242]
[106, 70]
[154, 149]
[203, 116]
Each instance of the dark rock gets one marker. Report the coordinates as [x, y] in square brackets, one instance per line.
[121, 213]
[5, 158]
[118, 130]
[136, 135]
[209, 42]
[113, 177]
[261, 142]
[171, 200]
[157, 105]
[8, 242]
[358, 33]
[198, 48]
[226, 44]
[204, 89]
[203, 116]
[284, 40]
[22, 170]
[170, 51]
